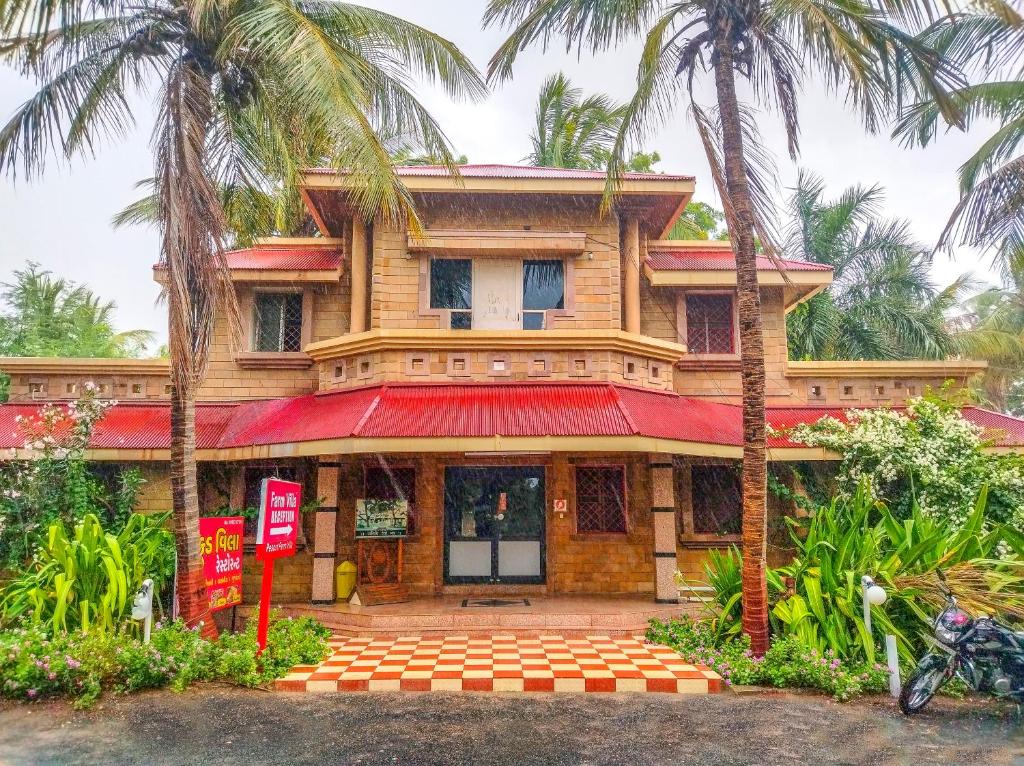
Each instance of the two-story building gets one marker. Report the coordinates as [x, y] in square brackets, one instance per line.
[553, 387]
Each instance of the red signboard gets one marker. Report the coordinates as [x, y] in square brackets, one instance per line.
[279, 519]
[220, 542]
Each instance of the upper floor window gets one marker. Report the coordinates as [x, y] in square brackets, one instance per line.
[543, 289]
[496, 293]
[451, 287]
[600, 499]
[709, 325]
[277, 322]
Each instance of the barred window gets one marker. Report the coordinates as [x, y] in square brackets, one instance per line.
[278, 322]
[709, 327]
[389, 483]
[716, 500]
[600, 499]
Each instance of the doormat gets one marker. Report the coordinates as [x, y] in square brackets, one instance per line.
[471, 603]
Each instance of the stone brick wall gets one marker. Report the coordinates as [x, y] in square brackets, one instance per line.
[65, 387]
[225, 379]
[396, 283]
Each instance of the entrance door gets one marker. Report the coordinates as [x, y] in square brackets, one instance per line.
[494, 524]
[497, 293]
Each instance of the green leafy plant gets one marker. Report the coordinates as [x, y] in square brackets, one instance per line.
[35, 664]
[787, 664]
[87, 580]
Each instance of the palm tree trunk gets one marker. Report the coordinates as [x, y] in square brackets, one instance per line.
[754, 529]
[193, 604]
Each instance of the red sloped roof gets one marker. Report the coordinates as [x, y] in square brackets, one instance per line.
[717, 259]
[467, 410]
[284, 258]
[1001, 430]
[128, 425]
[517, 171]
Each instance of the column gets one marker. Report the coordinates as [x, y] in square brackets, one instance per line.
[324, 537]
[357, 265]
[631, 276]
[663, 518]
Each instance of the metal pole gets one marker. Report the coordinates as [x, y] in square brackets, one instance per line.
[892, 657]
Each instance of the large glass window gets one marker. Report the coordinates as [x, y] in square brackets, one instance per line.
[709, 328]
[716, 500]
[451, 287]
[543, 289]
[387, 483]
[600, 499]
[278, 322]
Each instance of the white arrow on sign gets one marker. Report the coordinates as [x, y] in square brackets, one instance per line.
[281, 530]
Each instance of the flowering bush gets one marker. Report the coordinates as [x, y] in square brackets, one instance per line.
[34, 665]
[55, 483]
[787, 664]
[929, 454]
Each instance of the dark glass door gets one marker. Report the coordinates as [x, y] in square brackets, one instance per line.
[494, 524]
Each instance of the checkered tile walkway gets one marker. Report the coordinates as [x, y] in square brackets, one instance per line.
[502, 664]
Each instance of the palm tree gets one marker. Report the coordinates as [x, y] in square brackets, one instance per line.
[229, 79]
[992, 328]
[990, 213]
[882, 303]
[768, 44]
[47, 316]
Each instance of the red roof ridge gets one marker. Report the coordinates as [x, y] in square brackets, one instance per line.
[358, 428]
[622, 408]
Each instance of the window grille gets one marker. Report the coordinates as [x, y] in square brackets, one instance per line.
[600, 499]
[709, 327]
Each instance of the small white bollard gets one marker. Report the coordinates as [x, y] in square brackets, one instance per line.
[893, 659]
[142, 608]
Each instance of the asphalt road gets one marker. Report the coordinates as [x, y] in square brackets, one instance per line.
[229, 726]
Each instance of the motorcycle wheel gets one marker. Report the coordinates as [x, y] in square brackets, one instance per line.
[929, 676]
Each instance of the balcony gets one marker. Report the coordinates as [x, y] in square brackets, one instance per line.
[418, 355]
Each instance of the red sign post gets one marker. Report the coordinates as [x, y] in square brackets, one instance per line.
[276, 531]
[220, 542]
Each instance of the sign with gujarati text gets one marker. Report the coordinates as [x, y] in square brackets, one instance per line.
[278, 525]
[382, 518]
[220, 542]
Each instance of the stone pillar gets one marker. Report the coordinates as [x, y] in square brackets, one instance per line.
[663, 516]
[631, 276]
[358, 266]
[324, 539]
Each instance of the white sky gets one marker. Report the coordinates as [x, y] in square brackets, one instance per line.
[62, 221]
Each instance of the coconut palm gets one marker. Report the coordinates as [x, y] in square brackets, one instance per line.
[229, 79]
[990, 213]
[854, 46]
[882, 303]
[48, 316]
[992, 328]
[571, 131]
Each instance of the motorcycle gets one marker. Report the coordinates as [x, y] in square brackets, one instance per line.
[987, 655]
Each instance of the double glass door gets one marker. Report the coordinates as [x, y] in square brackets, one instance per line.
[494, 524]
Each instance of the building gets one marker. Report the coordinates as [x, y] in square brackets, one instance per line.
[553, 387]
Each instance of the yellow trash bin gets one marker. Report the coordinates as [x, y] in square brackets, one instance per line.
[344, 580]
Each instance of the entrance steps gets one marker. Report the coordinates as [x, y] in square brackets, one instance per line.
[521, 617]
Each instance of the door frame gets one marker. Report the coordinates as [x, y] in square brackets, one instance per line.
[541, 579]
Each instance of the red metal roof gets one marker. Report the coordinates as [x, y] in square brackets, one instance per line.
[518, 171]
[452, 411]
[716, 259]
[284, 258]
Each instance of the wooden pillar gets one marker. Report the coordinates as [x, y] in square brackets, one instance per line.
[663, 513]
[631, 276]
[358, 266]
[324, 538]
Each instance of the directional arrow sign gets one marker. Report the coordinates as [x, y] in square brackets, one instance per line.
[280, 503]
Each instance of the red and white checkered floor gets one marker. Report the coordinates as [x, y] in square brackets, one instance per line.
[502, 664]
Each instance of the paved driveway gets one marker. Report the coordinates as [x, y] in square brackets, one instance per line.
[229, 726]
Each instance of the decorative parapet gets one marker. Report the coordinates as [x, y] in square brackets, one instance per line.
[46, 378]
[385, 355]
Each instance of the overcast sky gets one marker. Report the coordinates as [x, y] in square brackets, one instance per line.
[63, 220]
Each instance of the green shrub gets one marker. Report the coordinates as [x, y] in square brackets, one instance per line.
[787, 664]
[88, 580]
[35, 665]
